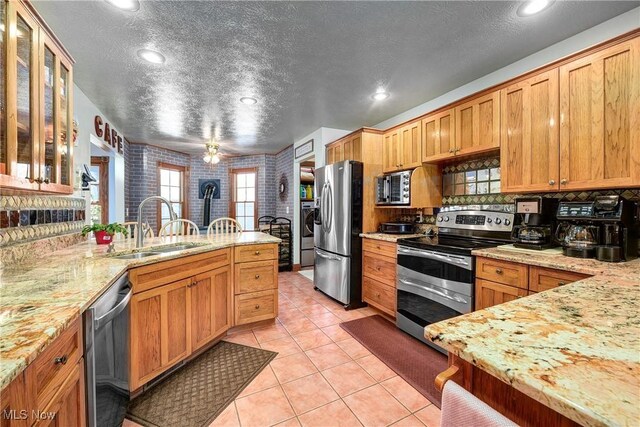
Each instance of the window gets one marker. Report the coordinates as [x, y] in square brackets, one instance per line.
[243, 197]
[173, 188]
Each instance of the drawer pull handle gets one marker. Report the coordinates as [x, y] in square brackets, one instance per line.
[561, 283]
[257, 306]
[60, 360]
[498, 270]
[378, 247]
[257, 252]
[257, 276]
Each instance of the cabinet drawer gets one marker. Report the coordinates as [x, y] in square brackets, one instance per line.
[68, 404]
[489, 293]
[505, 272]
[161, 273]
[256, 276]
[542, 279]
[380, 268]
[249, 253]
[379, 295]
[380, 247]
[51, 368]
[256, 306]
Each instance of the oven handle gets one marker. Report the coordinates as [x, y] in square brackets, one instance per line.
[433, 291]
[451, 259]
[103, 320]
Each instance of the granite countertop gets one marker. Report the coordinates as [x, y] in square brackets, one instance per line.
[40, 298]
[575, 348]
[393, 238]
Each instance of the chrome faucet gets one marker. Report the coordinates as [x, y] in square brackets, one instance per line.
[140, 231]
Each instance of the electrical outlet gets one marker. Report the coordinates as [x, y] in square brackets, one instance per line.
[287, 209]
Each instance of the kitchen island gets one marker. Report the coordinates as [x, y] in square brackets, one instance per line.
[574, 349]
[41, 297]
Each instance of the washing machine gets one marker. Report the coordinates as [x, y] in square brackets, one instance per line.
[307, 254]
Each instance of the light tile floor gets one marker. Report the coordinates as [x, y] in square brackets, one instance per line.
[322, 376]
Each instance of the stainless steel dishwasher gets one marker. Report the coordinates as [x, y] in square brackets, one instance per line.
[106, 351]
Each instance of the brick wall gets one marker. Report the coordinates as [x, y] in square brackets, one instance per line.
[284, 166]
[142, 180]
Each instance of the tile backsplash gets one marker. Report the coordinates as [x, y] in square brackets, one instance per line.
[28, 218]
[461, 185]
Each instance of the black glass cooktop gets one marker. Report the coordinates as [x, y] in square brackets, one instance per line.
[453, 245]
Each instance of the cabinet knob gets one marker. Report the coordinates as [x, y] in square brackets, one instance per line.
[60, 360]
[451, 150]
[499, 270]
[257, 252]
[561, 283]
[257, 306]
[552, 182]
[377, 294]
[563, 181]
[378, 268]
[257, 276]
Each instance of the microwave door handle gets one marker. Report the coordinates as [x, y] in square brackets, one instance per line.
[387, 191]
[431, 290]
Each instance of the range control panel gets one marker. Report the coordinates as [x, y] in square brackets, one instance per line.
[476, 220]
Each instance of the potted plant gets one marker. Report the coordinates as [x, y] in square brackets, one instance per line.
[104, 233]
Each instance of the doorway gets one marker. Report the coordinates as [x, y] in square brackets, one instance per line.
[100, 190]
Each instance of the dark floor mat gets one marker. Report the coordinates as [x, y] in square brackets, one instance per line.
[413, 360]
[198, 392]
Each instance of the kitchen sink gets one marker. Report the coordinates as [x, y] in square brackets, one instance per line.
[136, 255]
[157, 250]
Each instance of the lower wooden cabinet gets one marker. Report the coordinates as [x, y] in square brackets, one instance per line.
[170, 322]
[256, 284]
[51, 391]
[379, 275]
[491, 293]
[500, 281]
[210, 306]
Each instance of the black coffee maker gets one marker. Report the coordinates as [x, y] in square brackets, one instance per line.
[605, 228]
[536, 218]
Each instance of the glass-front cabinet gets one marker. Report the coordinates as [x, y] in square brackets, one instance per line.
[36, 132]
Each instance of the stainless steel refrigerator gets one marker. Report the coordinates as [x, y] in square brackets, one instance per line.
[337, 227]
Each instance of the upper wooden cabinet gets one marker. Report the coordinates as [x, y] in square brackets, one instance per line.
[402, 148]
[467, 129]
[438, 136]
[600, 119]
[348, 148]
[530, 133]
[478, 125]
[37, 90]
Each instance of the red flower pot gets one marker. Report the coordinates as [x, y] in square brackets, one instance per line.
[103, 238]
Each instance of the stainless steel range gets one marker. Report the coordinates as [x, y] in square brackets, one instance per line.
[436, 275]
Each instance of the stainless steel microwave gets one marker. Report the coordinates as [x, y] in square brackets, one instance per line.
[394, 189]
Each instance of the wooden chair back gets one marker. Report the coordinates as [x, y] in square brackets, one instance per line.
[179, 227]
[132, 230]
[224, 226]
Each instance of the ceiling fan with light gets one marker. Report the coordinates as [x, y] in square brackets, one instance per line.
[212, 153]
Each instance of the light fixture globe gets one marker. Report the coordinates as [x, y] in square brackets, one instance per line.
[212, 153]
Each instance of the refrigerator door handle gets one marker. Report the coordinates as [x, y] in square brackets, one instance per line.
[329, 207]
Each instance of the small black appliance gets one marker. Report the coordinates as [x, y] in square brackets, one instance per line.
[536, 218]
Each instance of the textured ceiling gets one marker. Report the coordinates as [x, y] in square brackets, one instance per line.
[309, 64]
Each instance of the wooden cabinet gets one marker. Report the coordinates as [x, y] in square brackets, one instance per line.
[178, 307]
[438, 136]
[211, 306]
[500, 281]
[478, 125]
[467, 129]
[402, 148]
[391, 151]
[160, 330]
[600, 119]
[256, 283]
[491, 293]
[52, 386]
[36, 137]
[348, 148]
[379, 275]
[529, 151]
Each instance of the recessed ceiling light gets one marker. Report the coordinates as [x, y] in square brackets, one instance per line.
[151, 56]
[531, 7]
[380, 95]
[248, 100]
[129, 5]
